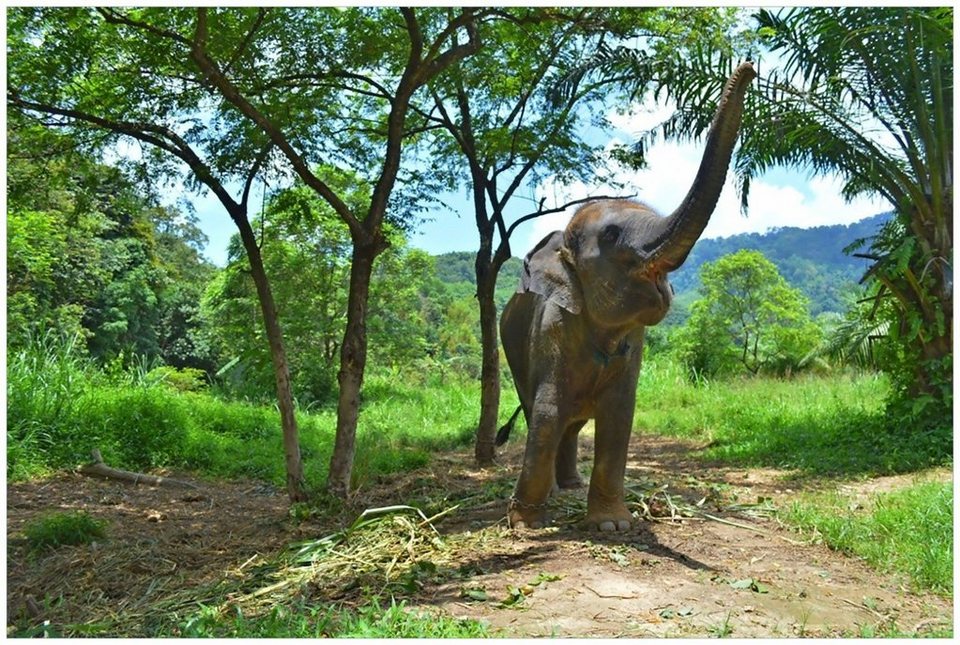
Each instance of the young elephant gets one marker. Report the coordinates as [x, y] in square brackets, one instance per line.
[573, 332]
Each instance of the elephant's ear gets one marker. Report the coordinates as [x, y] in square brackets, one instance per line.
[547, 274]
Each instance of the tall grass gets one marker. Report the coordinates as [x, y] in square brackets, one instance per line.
[817, 424]
[60, 406]
[45, 381]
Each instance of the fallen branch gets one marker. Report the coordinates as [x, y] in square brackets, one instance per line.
[747, 527]
[605, 595]
[100, 469]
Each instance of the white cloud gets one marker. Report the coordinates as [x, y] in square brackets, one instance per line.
[785, 198]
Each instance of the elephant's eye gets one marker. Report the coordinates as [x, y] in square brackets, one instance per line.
[610, 234]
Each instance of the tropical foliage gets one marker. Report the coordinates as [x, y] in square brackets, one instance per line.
[90, 252]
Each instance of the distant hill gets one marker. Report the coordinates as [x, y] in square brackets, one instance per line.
[811, 259]
[457, 268]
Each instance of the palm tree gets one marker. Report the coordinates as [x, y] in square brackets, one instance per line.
[867, 93]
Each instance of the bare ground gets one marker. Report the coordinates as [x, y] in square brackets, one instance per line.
[737, 572]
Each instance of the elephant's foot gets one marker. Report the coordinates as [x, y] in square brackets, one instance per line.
[570, 481]
[608, 520]
[526, 516]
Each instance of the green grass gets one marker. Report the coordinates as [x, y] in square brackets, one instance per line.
[62, 529]
[819, 425]
[59, 407]
[909, 531]
[306, 621]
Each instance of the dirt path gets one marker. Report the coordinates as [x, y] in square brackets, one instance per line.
[741, 575]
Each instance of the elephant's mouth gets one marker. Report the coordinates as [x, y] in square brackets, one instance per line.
[643, 300]
[664, 289]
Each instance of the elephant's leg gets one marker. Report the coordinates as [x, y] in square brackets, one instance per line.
[528, 506]
[567, 474]
[606, 509]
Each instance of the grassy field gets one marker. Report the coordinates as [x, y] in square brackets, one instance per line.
[820, 425]
[906, 532]
[60, 407]
[825, 428]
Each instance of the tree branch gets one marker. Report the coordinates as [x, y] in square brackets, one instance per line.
[115, 17]
[261, 14]
[541, 211]
[257, 164]
[210, 70]
[155, 135]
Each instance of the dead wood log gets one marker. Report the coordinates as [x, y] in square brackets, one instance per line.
[99, 469]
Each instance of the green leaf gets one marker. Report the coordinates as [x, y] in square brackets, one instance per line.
[475, 593]
[514, 597]
[748, 584]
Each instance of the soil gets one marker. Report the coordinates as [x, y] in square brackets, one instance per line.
[728, 569]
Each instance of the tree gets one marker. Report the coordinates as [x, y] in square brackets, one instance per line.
[507, 130]
[306, 251]
[348, 43]
[868, 92]
[90, 252]
[748, 316]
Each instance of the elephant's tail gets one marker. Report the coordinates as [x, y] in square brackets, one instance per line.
[504, 432]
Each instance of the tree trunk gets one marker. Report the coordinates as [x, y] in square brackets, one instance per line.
[353, 360]
[296, 486]
[484, 450]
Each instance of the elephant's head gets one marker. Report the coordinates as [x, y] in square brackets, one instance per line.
[620, 251]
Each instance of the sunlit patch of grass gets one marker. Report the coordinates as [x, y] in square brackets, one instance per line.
[909, 531]
[819, 425]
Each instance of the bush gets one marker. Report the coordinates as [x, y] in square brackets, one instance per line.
[187, 379]
[59, 529]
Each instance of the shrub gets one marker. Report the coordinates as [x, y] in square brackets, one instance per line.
[59, 529]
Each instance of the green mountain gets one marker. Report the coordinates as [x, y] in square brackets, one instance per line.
[811, 259]
[456, 270]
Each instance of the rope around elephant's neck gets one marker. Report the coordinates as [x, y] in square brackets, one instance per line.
[604, 358]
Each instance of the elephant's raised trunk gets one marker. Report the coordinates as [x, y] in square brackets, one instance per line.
[682, 229]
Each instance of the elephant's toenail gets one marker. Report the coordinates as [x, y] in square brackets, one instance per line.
[520, 525]
[607, 527]
[623, 525]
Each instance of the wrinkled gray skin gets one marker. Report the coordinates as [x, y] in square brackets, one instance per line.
[573, 333]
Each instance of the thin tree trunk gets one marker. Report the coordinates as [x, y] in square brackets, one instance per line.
[296, 486]
[353, 360]
[484, 450]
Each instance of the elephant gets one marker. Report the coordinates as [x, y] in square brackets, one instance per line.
[573, 332]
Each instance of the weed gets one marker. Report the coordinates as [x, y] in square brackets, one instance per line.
[60, 529]
[722, 630]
